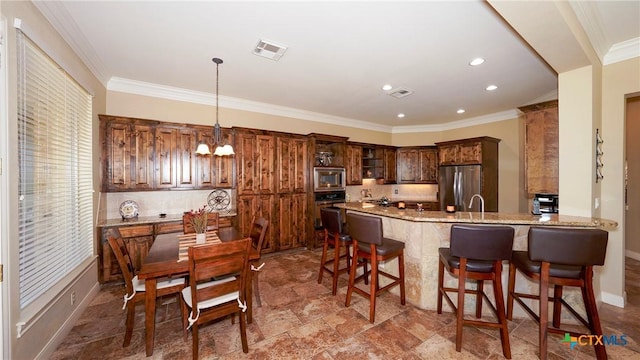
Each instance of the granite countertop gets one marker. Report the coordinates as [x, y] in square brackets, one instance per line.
[141, 220]
[479, 218]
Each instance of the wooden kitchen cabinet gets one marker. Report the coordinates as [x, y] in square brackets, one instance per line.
[541, 147]
[390, 166]
[137, 238]
[353, 168]
[128, 155]
[213, 171]
[291, 164]
[255, 160]
[292, 215]
[417, 165]
[258, 205]
[474, 151]
[175, 157]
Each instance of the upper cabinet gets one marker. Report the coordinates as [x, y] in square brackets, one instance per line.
[291, 164]
[474, 151]
[354, 166]
[379, 162]
[142, 155]
[541, 147]
[417, 165]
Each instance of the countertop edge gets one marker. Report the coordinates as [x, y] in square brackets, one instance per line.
[479, 218]
[142, 220]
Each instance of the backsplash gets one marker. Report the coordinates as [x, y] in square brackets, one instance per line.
[426, 192]
[152, 203]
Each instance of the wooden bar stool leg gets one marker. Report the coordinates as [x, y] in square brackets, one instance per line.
[401, 275]
[352, 274]
[544, 309]
[592, 313]
[336, 265]
[373, 287]
[323, 258]
[499, 296]
[510, 289]
[462, 277]
[480, 290]
[440, 286]
[557, 305]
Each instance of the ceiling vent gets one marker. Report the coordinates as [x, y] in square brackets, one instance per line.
[269, 49]
[400, 92]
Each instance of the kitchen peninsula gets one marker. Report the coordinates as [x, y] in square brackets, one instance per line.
[423, 232]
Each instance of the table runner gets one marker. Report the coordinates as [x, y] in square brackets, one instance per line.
[188, 240]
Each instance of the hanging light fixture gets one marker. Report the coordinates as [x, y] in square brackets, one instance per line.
[221, 150]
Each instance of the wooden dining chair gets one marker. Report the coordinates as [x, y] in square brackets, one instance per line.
[213, 223]
[257, 234]
[207, 300]
[135, 288]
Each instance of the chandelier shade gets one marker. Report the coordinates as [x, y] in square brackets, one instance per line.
[221, 149]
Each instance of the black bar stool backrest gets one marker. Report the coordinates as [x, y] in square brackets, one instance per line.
[481, 242]
[332, 220]
[567, 246]
[365, 229]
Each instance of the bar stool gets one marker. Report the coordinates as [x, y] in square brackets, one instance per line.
[370, 245]
[476, 252]
[560, 257]
[334, 236]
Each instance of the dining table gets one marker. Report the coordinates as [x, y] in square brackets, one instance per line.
[162, 261]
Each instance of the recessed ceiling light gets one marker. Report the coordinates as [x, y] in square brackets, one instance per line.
[401, 115]
[476, 61]
[460, 111]
[387, 87]
[491, 87]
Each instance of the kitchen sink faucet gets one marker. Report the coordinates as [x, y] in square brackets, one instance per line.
[481, 203]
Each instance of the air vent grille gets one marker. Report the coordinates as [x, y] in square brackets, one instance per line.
[269, 49]
[400, 92]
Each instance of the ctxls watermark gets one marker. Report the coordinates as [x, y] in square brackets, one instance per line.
[586, 340]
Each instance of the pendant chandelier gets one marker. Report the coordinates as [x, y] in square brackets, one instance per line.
[221, 150]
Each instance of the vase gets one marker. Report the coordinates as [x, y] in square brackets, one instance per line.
[201, 238]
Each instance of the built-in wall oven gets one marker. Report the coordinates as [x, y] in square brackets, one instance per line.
[325, 199]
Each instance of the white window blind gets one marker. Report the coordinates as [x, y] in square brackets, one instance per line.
[55, 175]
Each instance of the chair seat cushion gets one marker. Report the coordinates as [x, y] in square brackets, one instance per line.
[389, 246]
[186, 294]
[521, 261]
[453, 262]
[138, 284]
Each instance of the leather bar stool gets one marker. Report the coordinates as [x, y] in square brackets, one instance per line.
[337, 238]
[370, 245]
[476, 253]
[560, 257]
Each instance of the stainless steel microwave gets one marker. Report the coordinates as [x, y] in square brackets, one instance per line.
[329, 179]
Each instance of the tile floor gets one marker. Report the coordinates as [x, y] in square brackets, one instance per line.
[300, 319]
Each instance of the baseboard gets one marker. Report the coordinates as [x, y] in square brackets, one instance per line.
[65, 329]
[613, 299]
[632, 254]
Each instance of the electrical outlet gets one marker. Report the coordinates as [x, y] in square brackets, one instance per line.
[73, 298]
[395, 191]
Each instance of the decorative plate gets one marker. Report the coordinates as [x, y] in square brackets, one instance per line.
[218, 200]
[129, 209]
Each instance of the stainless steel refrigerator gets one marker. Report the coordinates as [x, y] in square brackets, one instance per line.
[458, 184]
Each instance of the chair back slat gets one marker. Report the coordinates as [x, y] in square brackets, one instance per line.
[365, 229]
[224, 260]
[331, 218]
[258, 232]
[569, 246]
[122, 255]
[481, 242]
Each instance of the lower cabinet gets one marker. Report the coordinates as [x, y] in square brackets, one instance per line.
[292, 213]
[258, 205]
[138, 238]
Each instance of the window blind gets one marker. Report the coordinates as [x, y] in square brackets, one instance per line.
[55, 172]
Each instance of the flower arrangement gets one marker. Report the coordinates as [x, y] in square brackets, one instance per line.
[199, 219]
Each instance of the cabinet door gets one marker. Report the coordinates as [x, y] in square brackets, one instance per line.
[408, 162]
[541, 151]
[300, 165]
[292, 211]
[257, 205]
[353, 169]
[470, 153]
[285, 162]
[129, 157]
[138, 249]
[266, 164]
[224, 165]
[205, 164]
[390, 167]
[428, 168]
[166, 144]
[246, 158]
[448, 154]
[143, 157]
[185, 158]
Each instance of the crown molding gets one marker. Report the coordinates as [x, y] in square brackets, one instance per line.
[621, 51]
[199, 97]
[478, 120]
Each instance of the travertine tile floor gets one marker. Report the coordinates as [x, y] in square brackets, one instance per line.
[300, 319]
